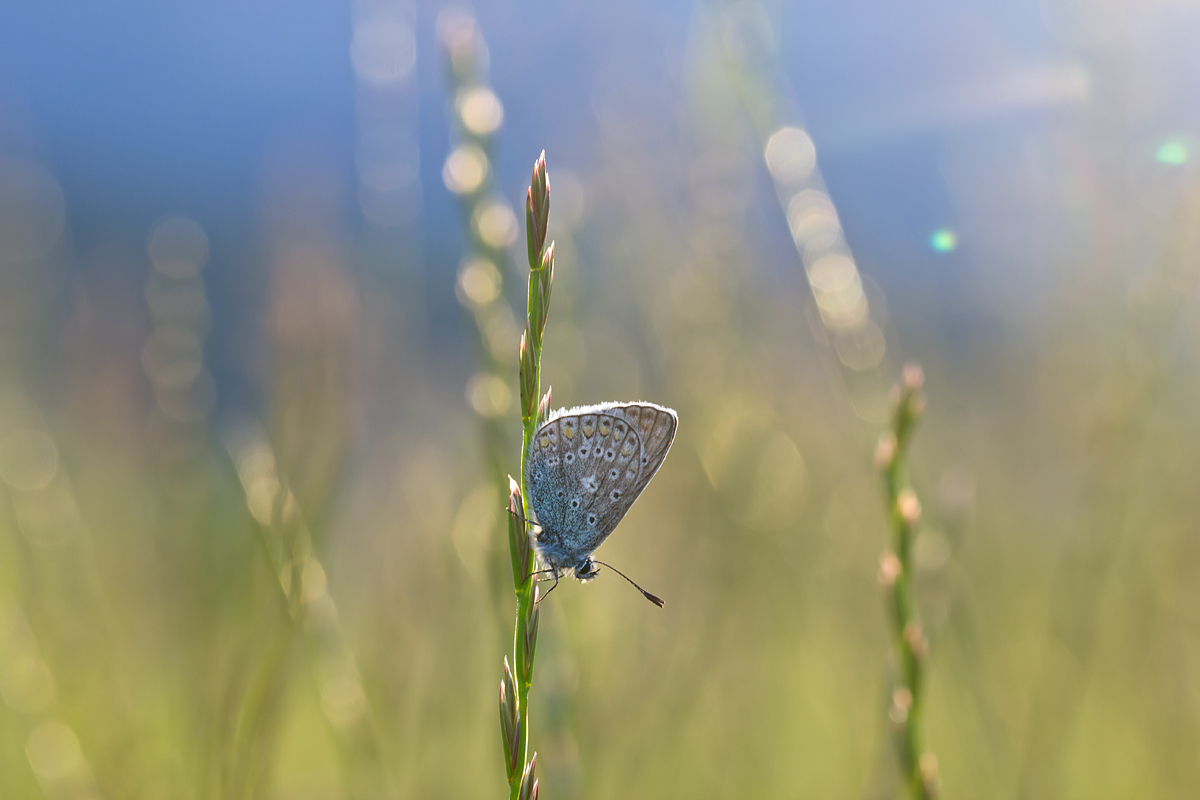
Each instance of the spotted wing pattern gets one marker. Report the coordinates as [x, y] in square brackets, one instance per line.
[587, 466]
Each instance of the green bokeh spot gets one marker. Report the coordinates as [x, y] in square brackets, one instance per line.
[1172, 153]
[944, 240]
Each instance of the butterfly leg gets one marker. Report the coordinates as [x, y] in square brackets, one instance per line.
[540, 572]
[551, 589]
[517, 514]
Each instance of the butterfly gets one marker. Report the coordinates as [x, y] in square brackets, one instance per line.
[586, 467]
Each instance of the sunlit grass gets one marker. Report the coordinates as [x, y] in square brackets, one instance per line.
[316, 604]
[514, 690]
[897, 573]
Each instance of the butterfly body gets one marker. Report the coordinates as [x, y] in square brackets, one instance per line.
[586, 467]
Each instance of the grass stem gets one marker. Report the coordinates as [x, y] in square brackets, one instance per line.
[514, 690]
[919, 768]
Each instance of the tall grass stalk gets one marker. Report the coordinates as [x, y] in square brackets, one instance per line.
[1137, 379]
[310, 620]
[470, 175]
[849, 327]
[476, 114]
[33, 714]
[919, 767]
[848, 323]
[514, 689]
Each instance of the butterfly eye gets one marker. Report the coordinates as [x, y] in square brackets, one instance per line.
[569, 457]
[574, 502]
[591, 519]
[612, 473]
[609, 455]
[614, 494]
[561, 493]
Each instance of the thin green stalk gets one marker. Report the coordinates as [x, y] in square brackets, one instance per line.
[761, 87]
[1116, 441]
[483, 276]
[307, 616]
[38, 724]
[919, 767]
[514, 690]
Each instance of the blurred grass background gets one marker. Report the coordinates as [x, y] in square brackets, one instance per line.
[251, 544]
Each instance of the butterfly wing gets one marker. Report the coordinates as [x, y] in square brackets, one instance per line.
[547, 475]
[589, 465]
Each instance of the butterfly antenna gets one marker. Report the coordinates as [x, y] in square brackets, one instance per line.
[653, 598]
